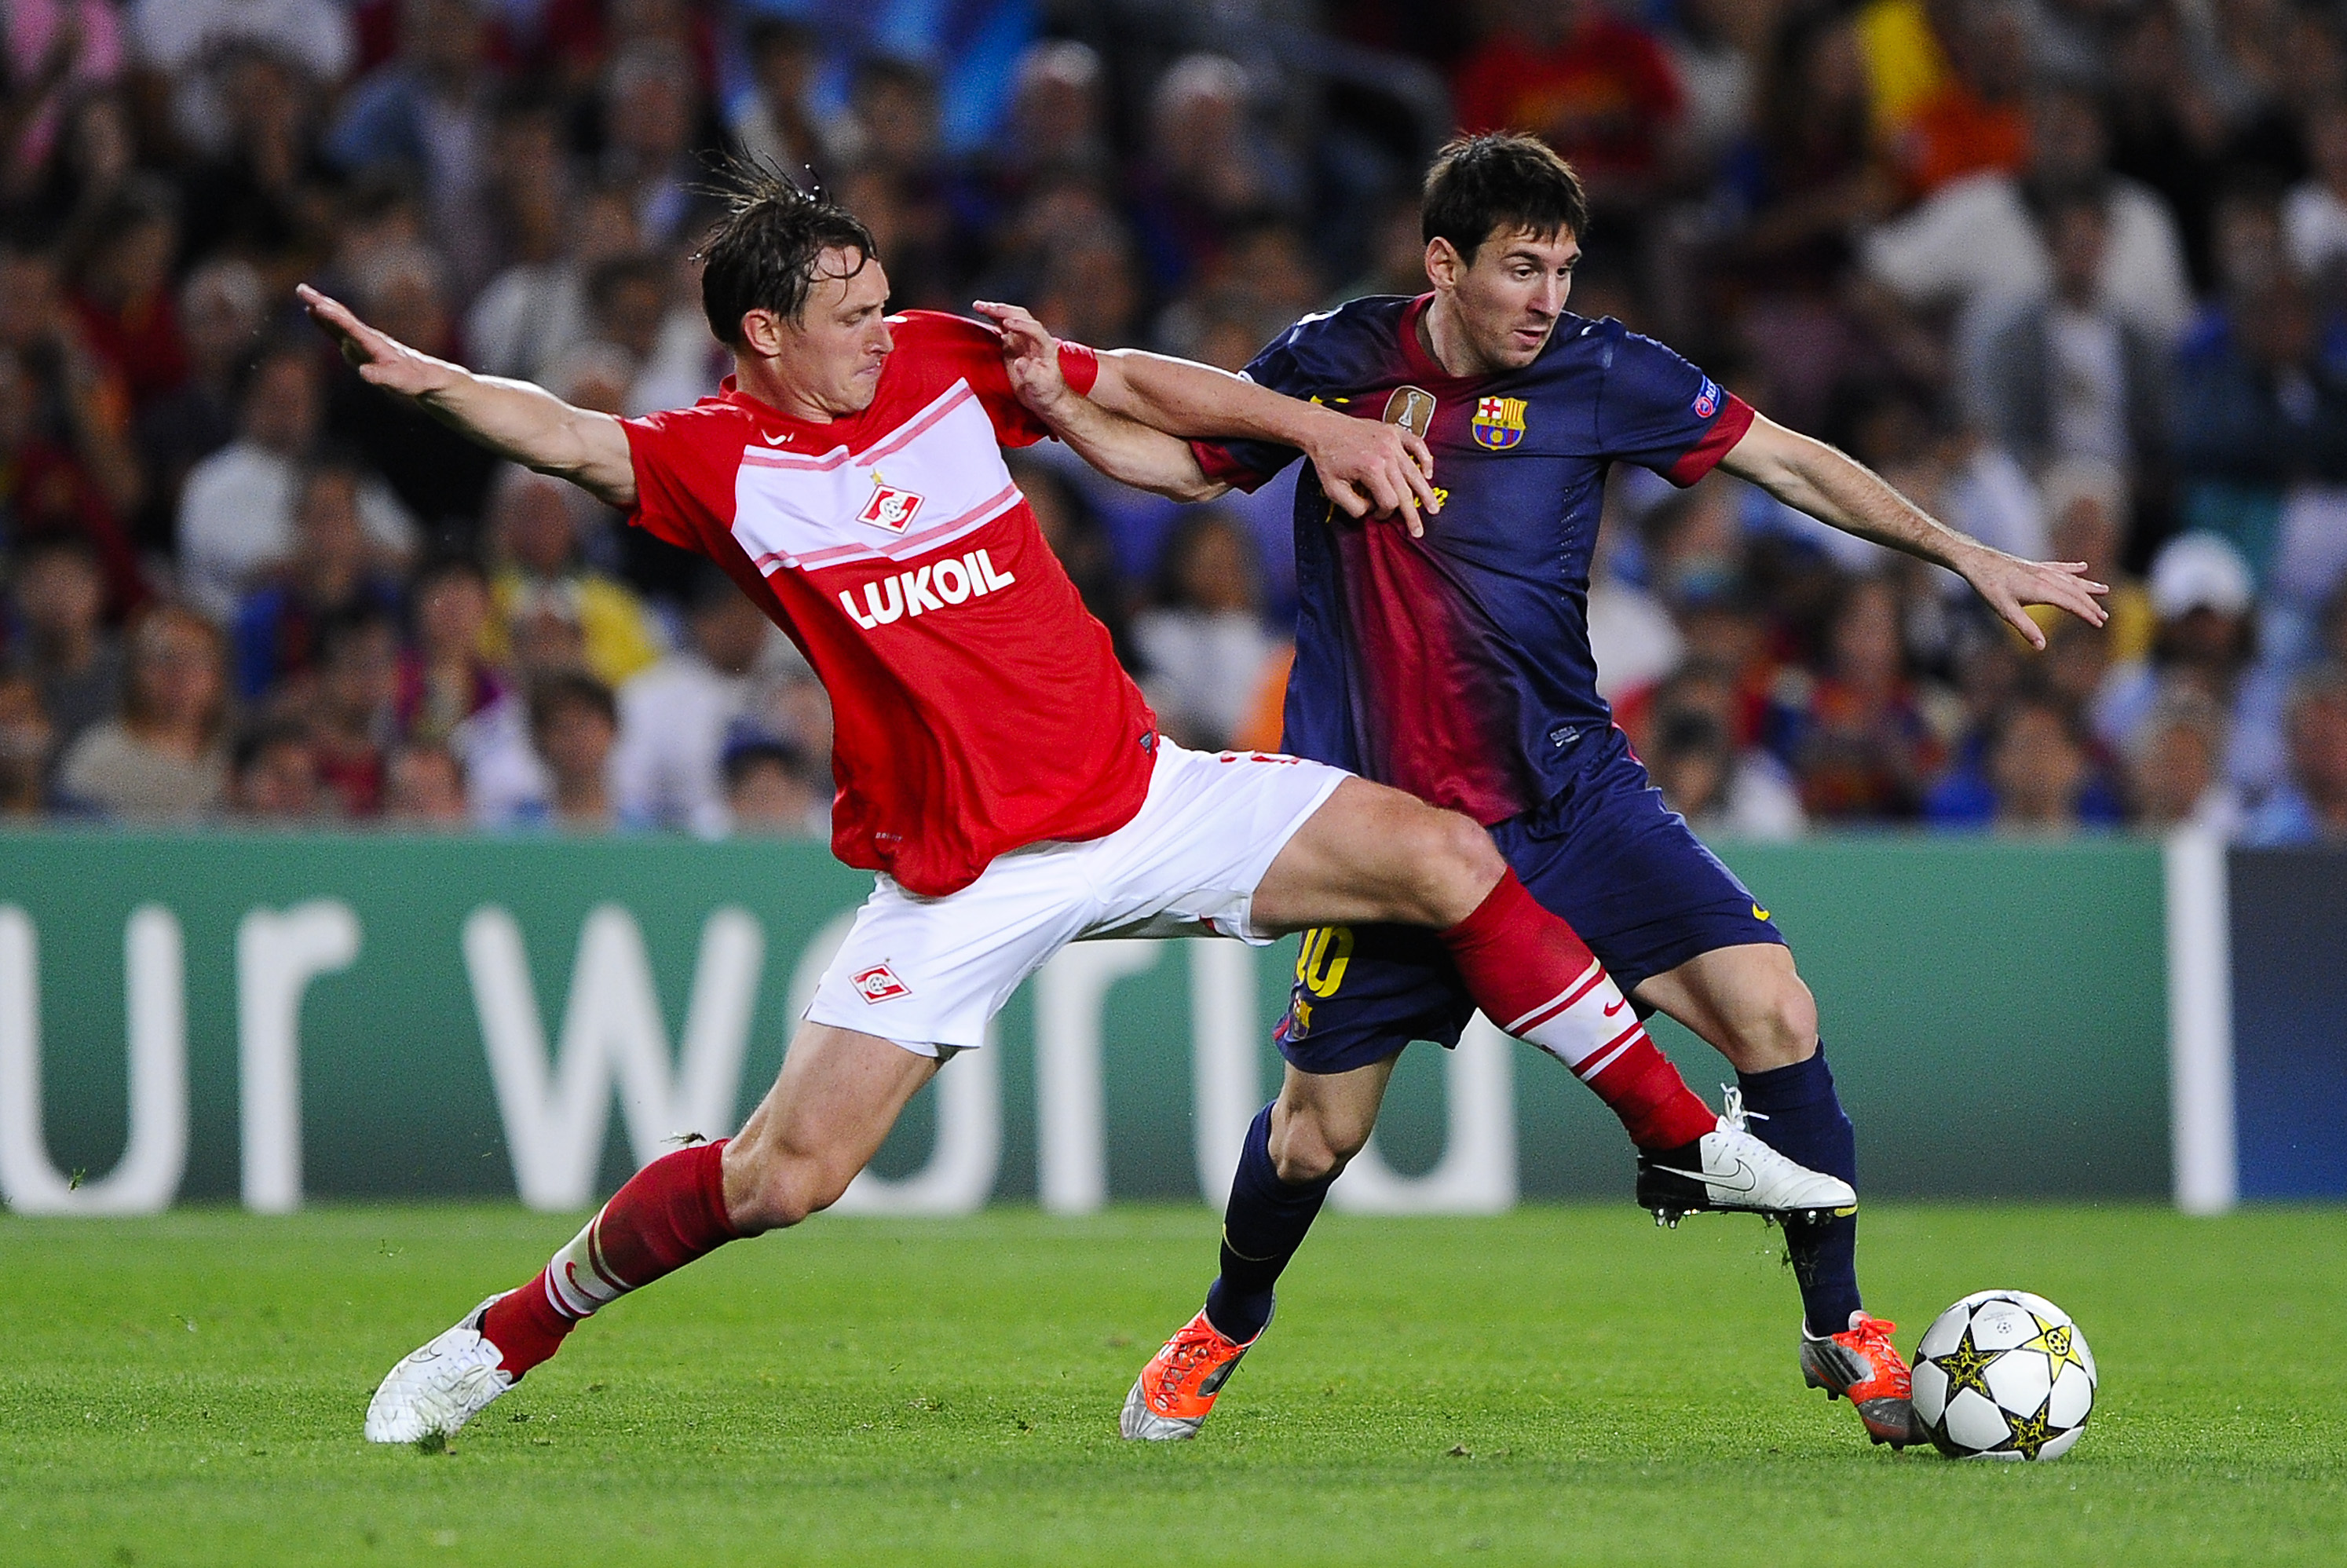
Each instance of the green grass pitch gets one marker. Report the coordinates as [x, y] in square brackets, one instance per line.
[1557, 1386]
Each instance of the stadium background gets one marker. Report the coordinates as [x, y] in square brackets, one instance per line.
[2067, 272]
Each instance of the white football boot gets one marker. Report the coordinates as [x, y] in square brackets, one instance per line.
[1729, 1170]
[436, 1389]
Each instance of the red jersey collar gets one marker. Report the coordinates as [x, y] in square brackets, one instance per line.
[730, 391]
[1422, 365]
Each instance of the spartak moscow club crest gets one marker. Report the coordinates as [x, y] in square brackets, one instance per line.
[889, 508]
[878, 984]
[1498, 422]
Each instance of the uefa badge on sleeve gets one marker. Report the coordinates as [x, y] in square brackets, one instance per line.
[1498, 423]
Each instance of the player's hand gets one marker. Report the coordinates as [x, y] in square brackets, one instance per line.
[379, 359]
[1373, 469]
[2009, 584]
[1031, 356]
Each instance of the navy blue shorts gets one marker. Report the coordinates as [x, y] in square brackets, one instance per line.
[1604, 853]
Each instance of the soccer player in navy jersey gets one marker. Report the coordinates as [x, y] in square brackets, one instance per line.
[1448, 656]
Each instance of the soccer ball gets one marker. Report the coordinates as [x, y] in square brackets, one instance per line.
[2003, 1374]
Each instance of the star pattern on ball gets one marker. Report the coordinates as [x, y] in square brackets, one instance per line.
[2029, 1433]
[2059, 1343]
[1967, 1366]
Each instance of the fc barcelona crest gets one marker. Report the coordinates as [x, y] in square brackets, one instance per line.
[1498, 422]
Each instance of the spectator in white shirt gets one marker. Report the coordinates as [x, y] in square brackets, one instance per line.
[506, 784]
[535, 313]
[2069, 377]
[236, 511]
[676, 717]
[1975, 244]
[634, 303]
[1206, 643]
[2315, 215]
[1693, 761]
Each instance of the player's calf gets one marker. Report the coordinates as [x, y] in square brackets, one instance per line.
[1749, 1001]
[831, 1107]
[775, 1188]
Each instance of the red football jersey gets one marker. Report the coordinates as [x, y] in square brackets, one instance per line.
[978, 705]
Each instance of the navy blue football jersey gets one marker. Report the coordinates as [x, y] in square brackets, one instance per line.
[1457, 666]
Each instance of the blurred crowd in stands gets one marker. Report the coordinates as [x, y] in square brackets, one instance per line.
[2071, 273]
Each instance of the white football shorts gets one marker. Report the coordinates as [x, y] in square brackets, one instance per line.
[930, 972]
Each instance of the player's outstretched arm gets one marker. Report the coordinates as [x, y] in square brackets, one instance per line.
[515, 419]
[1124, 449]
[1366, 467]
[1836, 488]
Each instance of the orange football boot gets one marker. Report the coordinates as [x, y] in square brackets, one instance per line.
[1862, 1365]
[1174, 1393]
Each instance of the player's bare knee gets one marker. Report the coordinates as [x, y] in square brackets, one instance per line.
[1310, 1158]
[1793, 1016]
[1456, 865]
[1777, 1025]
[1307, 1147]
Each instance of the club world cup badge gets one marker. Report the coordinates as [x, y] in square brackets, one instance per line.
[1412, 408]
[1498, 423]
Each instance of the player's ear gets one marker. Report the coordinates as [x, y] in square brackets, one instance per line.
[762, 331]
[1444, 265]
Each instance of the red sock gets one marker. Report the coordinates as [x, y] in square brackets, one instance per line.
[1647, 1094]
[1533, 975]
[669, 1213]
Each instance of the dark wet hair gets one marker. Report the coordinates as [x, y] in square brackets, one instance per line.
[1501, 182]
[763, 255]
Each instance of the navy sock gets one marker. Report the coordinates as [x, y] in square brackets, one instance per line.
[1804, 1122]
[1262, 1227]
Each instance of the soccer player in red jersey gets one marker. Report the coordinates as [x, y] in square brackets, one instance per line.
[997, 770]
